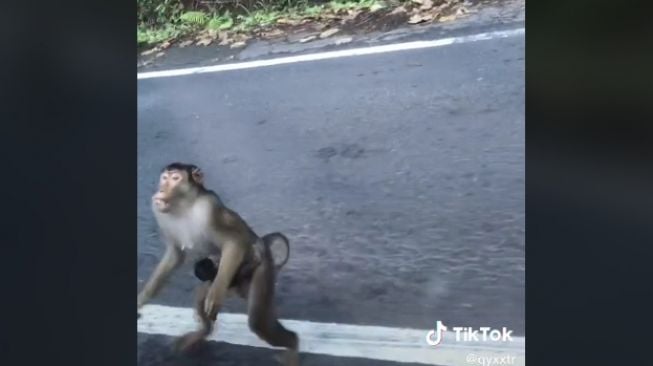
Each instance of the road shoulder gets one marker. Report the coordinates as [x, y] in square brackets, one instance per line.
[486, 18]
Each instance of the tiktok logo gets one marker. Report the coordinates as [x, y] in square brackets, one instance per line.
[468, 334]
[434, 336]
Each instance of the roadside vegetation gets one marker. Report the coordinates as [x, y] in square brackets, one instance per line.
[232, 22]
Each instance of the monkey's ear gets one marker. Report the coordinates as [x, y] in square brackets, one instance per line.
[198, 176]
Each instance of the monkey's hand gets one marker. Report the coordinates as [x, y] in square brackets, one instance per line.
[211, 304]
[143, 298]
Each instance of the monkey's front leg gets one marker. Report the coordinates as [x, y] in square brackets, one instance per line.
[172, 258]
[191, 339]
[232, 256]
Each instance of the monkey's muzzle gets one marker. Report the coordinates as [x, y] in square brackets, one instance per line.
[161, 204]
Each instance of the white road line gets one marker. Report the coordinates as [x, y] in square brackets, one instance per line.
[344, 340]
[334, 54]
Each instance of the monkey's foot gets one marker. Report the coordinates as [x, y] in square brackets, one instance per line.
[189, 342]
[288, 358]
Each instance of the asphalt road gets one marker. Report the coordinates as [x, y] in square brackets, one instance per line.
[399, 179]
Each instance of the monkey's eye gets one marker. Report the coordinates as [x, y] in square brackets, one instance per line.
[176, 177]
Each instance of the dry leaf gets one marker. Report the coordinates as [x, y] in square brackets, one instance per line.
[224, 38]
[462, 11]
[149, 52]
[418, 1]
[213, 33]
[447, 18]
[420, 18]
[329, 32]
[160, 54]
[343, 40]
[241, 37]
[426, 5]
[273, 33]
[307, 39]
[398, 10]
[204, 42]
[352, 15]
[201, 35]
[238, 44]
[186, 43]
[165, 45]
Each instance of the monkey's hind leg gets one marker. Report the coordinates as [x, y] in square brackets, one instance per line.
[190, 340]
[262, 316]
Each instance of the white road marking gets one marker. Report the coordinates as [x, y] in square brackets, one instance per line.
[334, 54]
[344, 340]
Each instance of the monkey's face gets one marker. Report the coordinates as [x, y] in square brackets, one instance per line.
[174, 185]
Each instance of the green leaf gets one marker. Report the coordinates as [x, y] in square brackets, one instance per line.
[194, 17]
[221, 23]
[377, 6]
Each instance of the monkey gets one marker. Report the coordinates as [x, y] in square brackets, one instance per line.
[193, 221]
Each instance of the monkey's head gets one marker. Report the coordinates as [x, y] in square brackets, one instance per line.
[177, 182]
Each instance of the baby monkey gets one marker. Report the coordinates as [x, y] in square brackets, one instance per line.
[194, 222]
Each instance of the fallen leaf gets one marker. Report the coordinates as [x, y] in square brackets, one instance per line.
[426, 5]
[149, 52]
[213, 33]
[224, 38]
[186, 43]
[329, 32]
[238, 44]
[165, 45]
[343, 40]
[204, 42]
[201, 35]
[462, 11]
[420, 18]
[241, 37]
[352, 14]
[307, 39]
[418, 1]
[160, 54]
[273, 33]
[287, 21]
[398, 10]
[442, 6]
[447, 18]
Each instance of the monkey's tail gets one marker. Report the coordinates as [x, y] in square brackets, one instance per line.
[279, 247]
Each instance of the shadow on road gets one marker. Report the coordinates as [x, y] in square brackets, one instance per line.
[157, 350]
